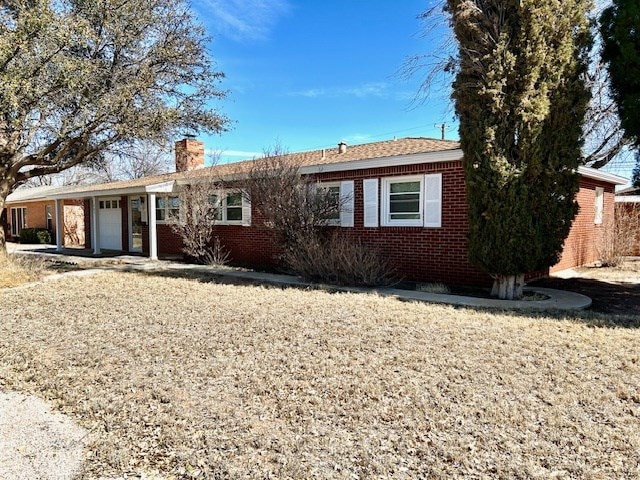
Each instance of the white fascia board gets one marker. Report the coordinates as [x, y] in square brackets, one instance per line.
[164, 187]
[628, 198]
[600, 175]
[411, 159]
[28, 200]
[98, 193]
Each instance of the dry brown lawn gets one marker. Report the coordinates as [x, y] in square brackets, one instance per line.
[184, 379]
[16, 270]
[627, 272]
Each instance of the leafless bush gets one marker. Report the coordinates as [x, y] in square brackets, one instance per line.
[338, 260]
[217, 254]
[298, 210]
[621, 235]
[290, 204]
[195, 224]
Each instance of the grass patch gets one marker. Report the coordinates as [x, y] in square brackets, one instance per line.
[19, 269]
[191, 379]
[628, 271]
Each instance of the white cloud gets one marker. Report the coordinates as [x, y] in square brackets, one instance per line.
[377, 89]
[311, 93]
[243, 19]
[358, 138]
[225, 156]
[240, 153]
[371, 89]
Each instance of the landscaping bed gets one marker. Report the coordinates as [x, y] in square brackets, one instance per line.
[187, 379]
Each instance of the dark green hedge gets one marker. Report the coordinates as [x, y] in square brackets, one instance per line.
[35, 235]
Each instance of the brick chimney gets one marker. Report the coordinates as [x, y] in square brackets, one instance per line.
[189, 154]
[342, 147]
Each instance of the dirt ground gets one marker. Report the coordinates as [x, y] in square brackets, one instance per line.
[613, 290]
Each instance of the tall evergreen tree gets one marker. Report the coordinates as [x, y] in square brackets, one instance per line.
[520, 96]
[620, 30]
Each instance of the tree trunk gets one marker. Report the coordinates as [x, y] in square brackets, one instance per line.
[3, 239]
[508, 287]
[4, 215]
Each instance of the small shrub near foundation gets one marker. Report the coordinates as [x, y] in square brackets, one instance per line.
[337, 260]
[433, 288]
[35, 235]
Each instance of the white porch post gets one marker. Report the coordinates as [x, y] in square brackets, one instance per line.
[153, 235]
[95, 229]
[59, 225]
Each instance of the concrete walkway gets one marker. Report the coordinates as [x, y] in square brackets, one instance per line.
[555, 299]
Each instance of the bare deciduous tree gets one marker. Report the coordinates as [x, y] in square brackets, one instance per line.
[300, 211]
[80, 77]
[140, 159]
[200, 209]
[292, 205]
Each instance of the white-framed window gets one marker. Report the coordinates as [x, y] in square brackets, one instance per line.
[332, 190]
[232, 208]
[108, 204]
[411, 201]
[343, 194]
[598, 206]
[167, 207]
[18, 220]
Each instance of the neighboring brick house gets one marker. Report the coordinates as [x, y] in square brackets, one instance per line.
[628, 213]
[33, 208]
[428, 242]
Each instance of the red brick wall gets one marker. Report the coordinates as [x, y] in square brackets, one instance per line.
[124, 209]
[417, 253]
[87, 222]
[581, 246]
[36, 216]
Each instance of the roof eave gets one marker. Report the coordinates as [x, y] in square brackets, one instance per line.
[603, 176]
[381, 162]
[81, 194]
[628, 198]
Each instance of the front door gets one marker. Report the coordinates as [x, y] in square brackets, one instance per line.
[137, 209]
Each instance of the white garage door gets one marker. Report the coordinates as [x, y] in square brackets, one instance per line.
[110, 223]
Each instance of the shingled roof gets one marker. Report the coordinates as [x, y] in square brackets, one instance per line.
[320, 157]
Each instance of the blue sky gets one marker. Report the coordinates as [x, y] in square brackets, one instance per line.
[308, 74]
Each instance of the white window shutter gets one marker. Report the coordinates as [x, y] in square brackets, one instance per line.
[599, 206]
[433, 200]
[370, 194]
[346, 203]
[246, 210]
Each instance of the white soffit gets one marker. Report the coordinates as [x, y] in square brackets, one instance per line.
[628, 198]
[164, 187]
